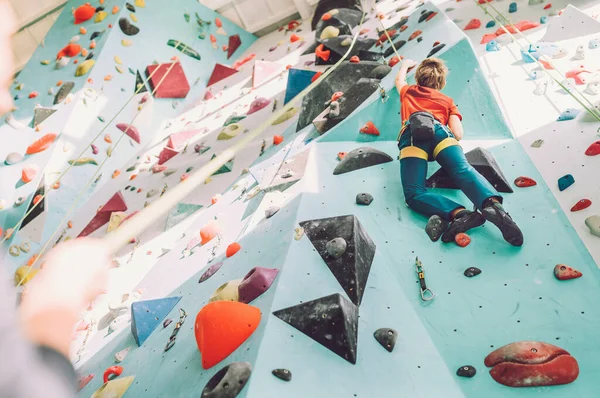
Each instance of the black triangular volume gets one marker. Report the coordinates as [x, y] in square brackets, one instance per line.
[360, 158]
[351, 266]
[483, 161]
[331, 321]
[139, 82]
[39, 209]
[356, 95]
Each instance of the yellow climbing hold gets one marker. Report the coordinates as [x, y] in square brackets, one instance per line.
[116, 218]
[230, 132]
[24, 274]
[82, 161]
[119, 69]
[118, 60]
[114, 388]
[286, 116]
[227, 292]
[85, 67]
[208, 181]
[133, 17]
[140, 3]
[126, 43]
[100, 15]
[329, 33]
[45, 62]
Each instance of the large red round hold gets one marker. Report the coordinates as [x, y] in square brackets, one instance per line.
[524, 182]
[70, 50]
[232, 249]
[354, 59]
[221, 327]
[112, 371]
[532, 364]
[83, 13]
[564, 272]
[462, 239]
[582, 204]
[277, 139]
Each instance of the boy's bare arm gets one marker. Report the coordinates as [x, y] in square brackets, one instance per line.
[401, 76]
[456, 127]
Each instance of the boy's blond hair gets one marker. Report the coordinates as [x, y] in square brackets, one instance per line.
[432, 73]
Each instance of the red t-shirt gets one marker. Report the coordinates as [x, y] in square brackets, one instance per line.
[417, 98]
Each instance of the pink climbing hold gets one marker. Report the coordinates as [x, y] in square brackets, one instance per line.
[130, 130]
[564, 272]
[166, 154]
[593, 149]
[102, 217]
[84, 381]
[157, 168]
[209, 232]
[258, 104]
[256, 282]
[168, 80]
[473, 24]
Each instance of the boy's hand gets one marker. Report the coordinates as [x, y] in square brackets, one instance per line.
[409, 63]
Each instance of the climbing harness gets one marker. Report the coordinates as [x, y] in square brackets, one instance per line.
[426, 293]
[178, 325]
[501, 19]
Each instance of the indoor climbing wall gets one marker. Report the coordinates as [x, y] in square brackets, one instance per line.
[292, 271]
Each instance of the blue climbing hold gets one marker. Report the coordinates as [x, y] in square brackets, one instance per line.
[565, 182]
[147, 315]
[568, 114]
[543, 19]
[490, 24]
[594, 43]
[531, 55]
[533, 75]
[492, 45]
[512, 7]
[298, 80]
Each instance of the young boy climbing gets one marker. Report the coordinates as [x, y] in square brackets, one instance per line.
[437, 128]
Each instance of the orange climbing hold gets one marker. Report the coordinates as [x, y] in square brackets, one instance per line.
[84, 52]
[108, 78]
[430, 17]
[403, 28]
[70, 50]
[473, 24]
[115, 174]
[33, 94]
[462, 239]
[341, 155]
[115, 10]
[84, 13]
[92, 44]
[393, 61]
[221, 327]
[37, 199]
[132, 177]
[294, 38]
[28, 173]
[41, 144]
[213, 39]
[82, 30]
[322, 53]
[316, 76]
[336, 96]
[56, 185]
[415, 34]
[354, 59]
[108, 139]
[70, 224]
[112, 371]
[326, 17]
[369, 128]
[232, 249]
[209, 232]
[277, 139]
[218, 23]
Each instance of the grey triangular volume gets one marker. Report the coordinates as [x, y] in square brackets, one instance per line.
[331, 321]
[350, 265]
[360, 158]
[483, 161]
[40, 114]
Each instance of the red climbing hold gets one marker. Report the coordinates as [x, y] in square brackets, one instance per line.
[277, 139]
[232, 249]
[488, 37]
[221, 327]
[218, 23]
[415, 34]
[112, 371]
[582, 204]
[383, 37]
[70, 50]
[521, 26]
[316, 76]
[33, 94]
[341, 155]
[102, 217]
[166, 154]
[369, 128]
[234, 43]
[462, 239]
[430, 17]
[294, 38]
[525, 182]
[547, 6]
[209, 232]
[336, 96]
[403, 28]
[41, 144]
[393, 61]
[84, 13]
[241, 62]
[29, 172]
[473, 24]
[326, 17]
[322, 53]
[593, 149]
[169, 80]
[219, 73]
[564, 272]
[354, 59]
[483, 1]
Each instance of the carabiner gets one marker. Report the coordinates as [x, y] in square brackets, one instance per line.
[426, 293]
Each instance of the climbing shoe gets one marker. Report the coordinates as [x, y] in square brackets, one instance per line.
[511, 233]
[435, 227]
[464, 221]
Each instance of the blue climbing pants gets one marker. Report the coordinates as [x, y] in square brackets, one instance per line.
[444, 149]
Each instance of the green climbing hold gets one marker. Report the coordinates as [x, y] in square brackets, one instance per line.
[233, 119]
[187, 17]
[229, 132]
[202, 36]
[85, 67]
[287, 115]
[101, 119]
[226, 168]
[82, 161]
[184, 49]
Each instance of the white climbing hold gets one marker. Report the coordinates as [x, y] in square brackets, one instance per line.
[541, 86]
[62, 62]
[579, 53]
[12, 122]
[592, 88]
[593, 223]
[120, 356]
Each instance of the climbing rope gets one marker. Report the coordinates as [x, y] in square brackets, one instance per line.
[85, 148]
[526, 51]
[119, 237]
[389, 39]
[98, 169]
